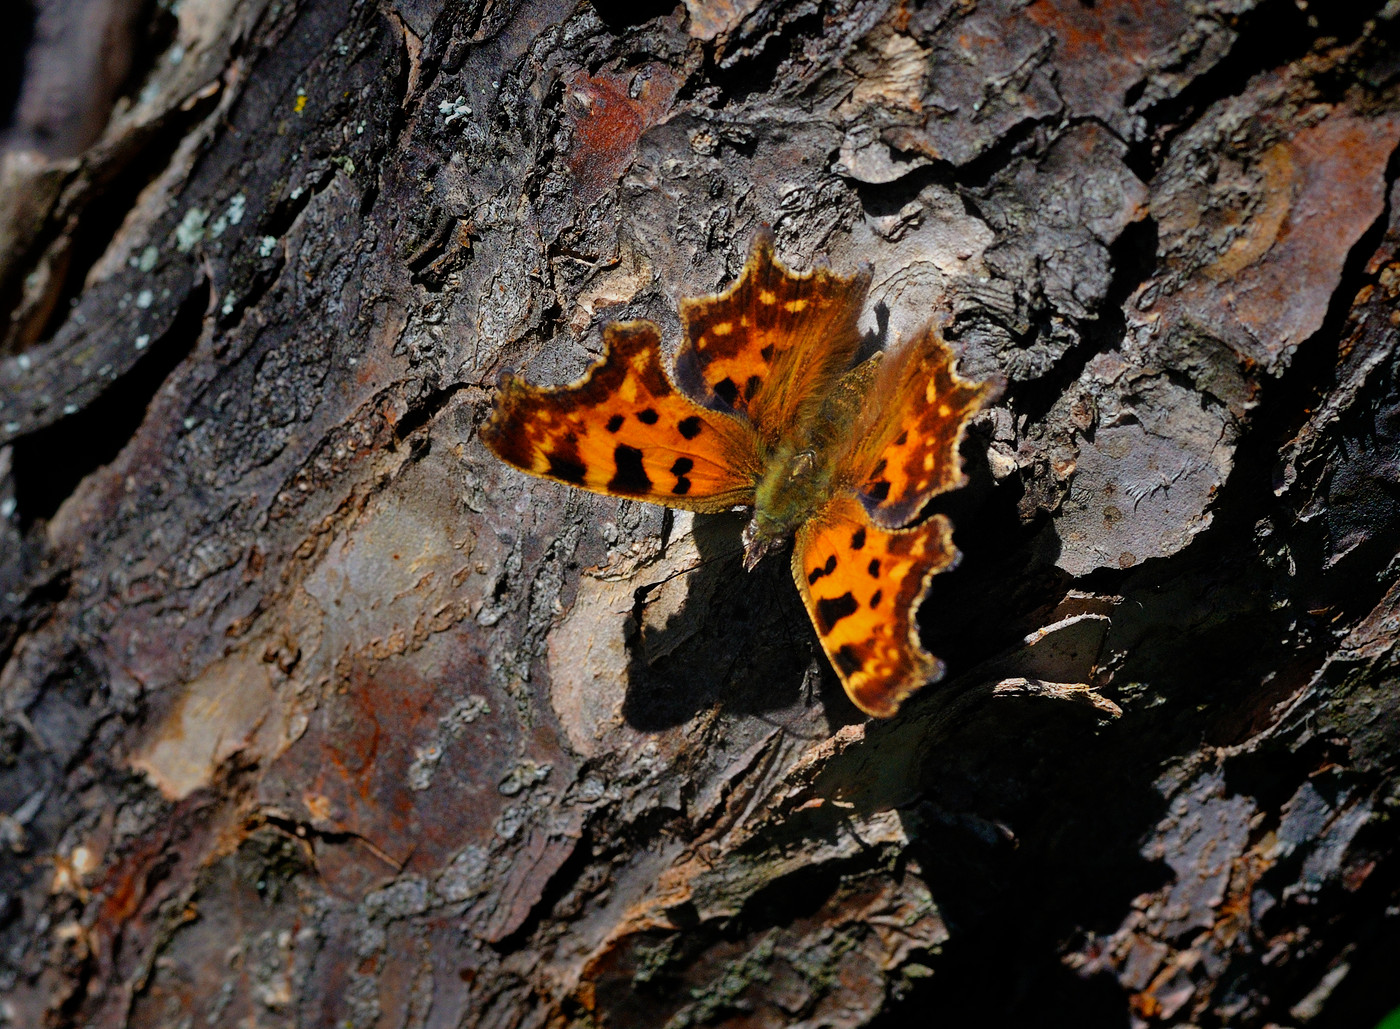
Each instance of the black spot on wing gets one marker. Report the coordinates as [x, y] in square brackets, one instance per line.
[648, 416]
[679, 470]
[825, 569]
[631, 477]
[727, 391]
[752, 386]
[902, 438]
[874, 568]
[567, 468]
[831, 610]
[875, 600]
[766, 353]
[878, 491]
[847, 660]
[690, 427]
[615, 422]
[879, 468]
[858, 538]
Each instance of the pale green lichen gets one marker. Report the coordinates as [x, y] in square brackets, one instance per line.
[522, 776]
[649, 958]
[723, 993]
[232, 216]
[190, 231]
[454, 110]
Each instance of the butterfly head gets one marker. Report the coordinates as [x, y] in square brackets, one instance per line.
[757, 542]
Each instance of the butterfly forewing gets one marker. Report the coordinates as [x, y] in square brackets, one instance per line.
[905, 448]
[862, 586]
[771, 347]
[625, 430]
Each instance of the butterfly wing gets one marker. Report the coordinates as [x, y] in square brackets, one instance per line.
[862, 586]
[904, 450]
[772, 346]
[625, 430]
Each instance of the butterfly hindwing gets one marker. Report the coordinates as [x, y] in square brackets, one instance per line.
[772, 345]
[862, 586]
[906, 451]
[625, 430]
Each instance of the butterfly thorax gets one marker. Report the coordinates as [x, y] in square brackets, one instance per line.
[795, 484]
[799, 474]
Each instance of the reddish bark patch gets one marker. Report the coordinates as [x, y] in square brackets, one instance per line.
[608, 113]
[384, 762]
[1103, 50]
[1312, 195]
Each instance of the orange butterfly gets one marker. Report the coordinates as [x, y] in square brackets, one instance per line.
[766, 412]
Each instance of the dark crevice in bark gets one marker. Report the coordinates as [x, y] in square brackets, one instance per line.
[1318, 356]
[14, 48]
[286, 211]
[1133, 258]
[49, 463]
[157, 28]
[756, 74]
[885, 199]
[555, 890]
[426, 409]
[1025, 137]
[399, 119]
[621, 15]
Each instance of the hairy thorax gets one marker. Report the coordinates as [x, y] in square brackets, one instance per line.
[795, 484]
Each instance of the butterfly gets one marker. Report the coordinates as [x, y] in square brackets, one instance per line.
[765, 411]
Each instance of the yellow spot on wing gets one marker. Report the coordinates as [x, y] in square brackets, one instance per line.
[722, 328]
[795, 306]
[767, 296]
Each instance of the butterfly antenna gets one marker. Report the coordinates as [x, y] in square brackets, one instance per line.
[704, 562]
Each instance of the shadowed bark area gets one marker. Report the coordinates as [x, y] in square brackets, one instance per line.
[312, 713]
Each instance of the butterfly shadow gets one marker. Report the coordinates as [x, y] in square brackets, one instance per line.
[740, 640]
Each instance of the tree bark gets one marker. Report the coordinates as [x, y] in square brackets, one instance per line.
[316, 714]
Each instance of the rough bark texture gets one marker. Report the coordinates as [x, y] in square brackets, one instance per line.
[314, 714]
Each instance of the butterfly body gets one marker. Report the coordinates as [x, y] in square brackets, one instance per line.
[770, 414]
[792, 489]
[803, 470]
